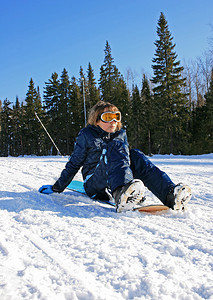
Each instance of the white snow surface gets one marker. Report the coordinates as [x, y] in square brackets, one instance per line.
[88, 251]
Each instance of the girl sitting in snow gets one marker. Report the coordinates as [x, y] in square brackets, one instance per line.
[110, 169]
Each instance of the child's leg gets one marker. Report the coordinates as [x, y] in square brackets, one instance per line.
[157, 181]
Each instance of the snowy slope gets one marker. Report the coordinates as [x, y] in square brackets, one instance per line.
[87, 251]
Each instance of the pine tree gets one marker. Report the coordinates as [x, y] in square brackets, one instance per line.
[122, 100]
[203, 124]
[51, 107]
[51, 95]
[113, 87]
[170, 101]
[134, 128]
[209, 116]
[92, 95]
[147, 116]
[0, 126]
[29, 119]
[17, 124]
[64, 121]
[40, 135]
[32, 129]
[107, 75]
[82, 106]
[30, 98]
[6, 128]
[76, 109]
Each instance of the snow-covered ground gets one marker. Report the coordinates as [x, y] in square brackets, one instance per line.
[87, 251]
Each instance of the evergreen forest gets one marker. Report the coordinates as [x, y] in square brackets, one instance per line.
[171, 112]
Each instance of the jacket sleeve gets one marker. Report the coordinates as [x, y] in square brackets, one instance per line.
[73, 165]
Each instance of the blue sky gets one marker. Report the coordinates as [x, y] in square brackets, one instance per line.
[39, 37]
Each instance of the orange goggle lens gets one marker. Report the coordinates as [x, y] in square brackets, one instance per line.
[109, 116]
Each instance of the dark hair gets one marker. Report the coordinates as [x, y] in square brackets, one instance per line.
[98, 109]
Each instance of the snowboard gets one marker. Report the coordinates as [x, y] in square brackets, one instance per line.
[77, 186]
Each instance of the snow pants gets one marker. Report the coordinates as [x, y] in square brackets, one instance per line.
[117, 169]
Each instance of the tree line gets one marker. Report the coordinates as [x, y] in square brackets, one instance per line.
[172, 112]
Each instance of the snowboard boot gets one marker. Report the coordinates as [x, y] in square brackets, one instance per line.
[178, 198]
[129, 195]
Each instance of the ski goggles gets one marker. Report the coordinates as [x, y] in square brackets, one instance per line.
[110, 116]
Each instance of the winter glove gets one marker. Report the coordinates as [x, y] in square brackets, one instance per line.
[46, 189]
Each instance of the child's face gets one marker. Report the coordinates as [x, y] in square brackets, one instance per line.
[108, 127]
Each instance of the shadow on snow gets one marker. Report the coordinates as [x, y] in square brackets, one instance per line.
[78, 205]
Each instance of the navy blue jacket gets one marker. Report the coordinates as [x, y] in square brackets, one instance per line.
[95, 149]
